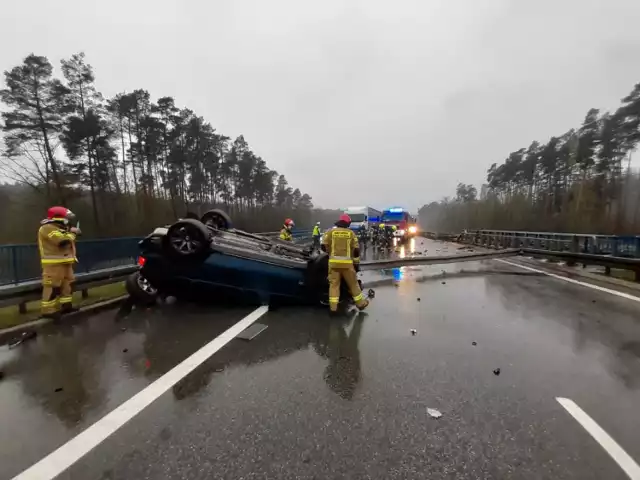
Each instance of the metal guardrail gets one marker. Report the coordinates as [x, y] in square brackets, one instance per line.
[605, 251]
[614, 245]
[27, 291]
[436, 260]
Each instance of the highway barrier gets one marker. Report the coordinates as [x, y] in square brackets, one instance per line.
[608, 251]
[614, 245]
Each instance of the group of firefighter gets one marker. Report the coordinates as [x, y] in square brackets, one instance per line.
[57, 246]
[343, 247]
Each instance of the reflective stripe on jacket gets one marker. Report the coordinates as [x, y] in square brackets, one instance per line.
[285, 234]
[56, 245]
[341, 244]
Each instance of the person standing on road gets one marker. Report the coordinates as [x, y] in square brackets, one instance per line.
[285, 232]
[344, 262]
[316, 235]
[57, 247]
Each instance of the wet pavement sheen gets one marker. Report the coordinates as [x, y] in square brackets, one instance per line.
[313, 397]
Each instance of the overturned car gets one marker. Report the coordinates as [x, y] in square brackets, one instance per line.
[207, 259]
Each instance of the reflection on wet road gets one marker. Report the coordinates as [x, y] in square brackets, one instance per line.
[313, 397]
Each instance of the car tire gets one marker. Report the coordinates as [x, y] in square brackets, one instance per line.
[188, 239]
[217, 219]
[140, 290]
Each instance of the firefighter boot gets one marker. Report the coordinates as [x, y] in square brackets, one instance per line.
[351, 279]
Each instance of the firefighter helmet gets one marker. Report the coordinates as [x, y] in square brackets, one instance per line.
[60, 214]
[345, 218]
[289, 223]
[381, 225]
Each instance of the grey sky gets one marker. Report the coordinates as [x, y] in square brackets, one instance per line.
[356, 102]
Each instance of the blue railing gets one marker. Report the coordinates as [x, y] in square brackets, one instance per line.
[21, 263]
[614, 245]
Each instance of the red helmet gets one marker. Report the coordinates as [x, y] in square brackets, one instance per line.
[289, 223]
[345, 218]
[60, 214]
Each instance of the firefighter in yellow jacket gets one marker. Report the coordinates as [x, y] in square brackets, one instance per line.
[285, 232]
[57, 245]
[342, 246]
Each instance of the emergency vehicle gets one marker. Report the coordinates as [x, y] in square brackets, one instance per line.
[405, 223]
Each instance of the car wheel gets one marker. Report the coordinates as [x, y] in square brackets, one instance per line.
[140, 290]
[216, 219]
[187, 239]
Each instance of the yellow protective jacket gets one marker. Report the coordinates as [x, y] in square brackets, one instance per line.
[285, 234]
[316, 231]
[57, 245]
[342, 246]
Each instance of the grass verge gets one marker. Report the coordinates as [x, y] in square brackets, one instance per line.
[10, 316]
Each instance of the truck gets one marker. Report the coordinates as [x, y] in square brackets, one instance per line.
[363, 217]
[405, 223]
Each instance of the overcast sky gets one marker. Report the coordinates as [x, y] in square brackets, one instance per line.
[356, 102]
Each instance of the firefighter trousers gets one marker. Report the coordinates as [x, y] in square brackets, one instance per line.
[56, 287]
[348, 274]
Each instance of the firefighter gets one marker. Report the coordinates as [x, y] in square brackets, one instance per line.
[316, 234]
[344, 261]
[57, 245]
[285, 233]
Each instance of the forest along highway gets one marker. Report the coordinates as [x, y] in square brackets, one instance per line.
[534, 377]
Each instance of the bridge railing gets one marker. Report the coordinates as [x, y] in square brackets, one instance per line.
[21, 263]
[613, 245]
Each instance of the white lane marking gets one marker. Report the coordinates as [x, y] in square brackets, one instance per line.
[576, 282]
[622, 458]
[58, 461]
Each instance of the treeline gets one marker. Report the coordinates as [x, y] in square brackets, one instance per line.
[580, 181]
[125, 164]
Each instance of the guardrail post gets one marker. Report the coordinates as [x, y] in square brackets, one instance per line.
[85, 293]
[574, 248]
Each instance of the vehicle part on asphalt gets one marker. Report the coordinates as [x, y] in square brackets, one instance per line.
[252, 332]
[414, 331]
[496, 371]
[24, 337]
[474, 343]
[434, 413]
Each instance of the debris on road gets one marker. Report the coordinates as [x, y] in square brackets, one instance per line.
[474, 343]
[414, 331]
[252, 332]
[418, 298]
[434, 413]
[26, 336]
[1, 374]
[125, 350]
[371, 293]
[496, 371]
[58, 390]
[444, 283]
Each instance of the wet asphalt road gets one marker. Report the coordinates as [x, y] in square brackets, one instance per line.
[313, 397]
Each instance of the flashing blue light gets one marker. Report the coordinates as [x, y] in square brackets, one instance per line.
[396, 210]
